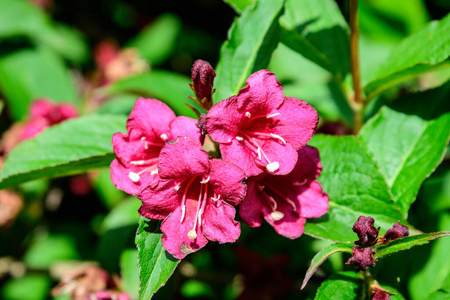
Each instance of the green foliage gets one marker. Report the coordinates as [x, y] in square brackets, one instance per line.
[171, 88]
[323, 254]
[157, 41]
[409, 154]
[156, 265]
[130, 272]
[355, 186]
[341, 286]
[26, 75]
[421, 52]
[30, 287]
[252, 39]
[71, 147]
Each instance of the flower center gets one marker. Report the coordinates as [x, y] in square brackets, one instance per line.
[275, 214]
[202, 201]
[248, 136]
[151, 166]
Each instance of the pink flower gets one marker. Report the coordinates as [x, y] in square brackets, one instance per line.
[286, 201]
[45, 113]
[195, 197]
[260, 128]
[150, 124]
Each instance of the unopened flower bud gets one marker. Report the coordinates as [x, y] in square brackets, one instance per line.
[367, 233]
[203, 78]
[380, 295]
[362, 258]
[396, 232]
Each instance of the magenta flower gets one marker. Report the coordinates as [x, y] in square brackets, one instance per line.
[150, 124]
[260, 128]
[195, 197]
[45, 113]
[285, 202]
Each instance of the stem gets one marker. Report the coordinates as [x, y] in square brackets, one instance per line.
[357, 102]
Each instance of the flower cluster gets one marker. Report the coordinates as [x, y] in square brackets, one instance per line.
[266, 167]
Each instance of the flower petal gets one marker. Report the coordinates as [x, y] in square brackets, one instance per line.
[297, 121]
[159, 199]
[252, 209]
[182, 158]
[284, 154]
[130, 147]
[121, 179]
[175, 239]
[237, 153]
[219, 224]
[185, 126]
[222, 120]
[313, 201]
[308, 166]
[291, 225]
[151, 116]
[263, 93]
[226, 179]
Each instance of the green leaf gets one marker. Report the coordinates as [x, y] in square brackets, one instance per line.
[156, 265]
[30, 287]
[157, 41]
[130, 272]
[355, 186]
[171, 88]
[341, 286]
[421, 52]
[239, 5]
[443, 294]
[23, 18]
[322, 255]
[408, 242]
[29, 74]
[253, 38]
[318, 31]
[407, 148]
[433, 274]
[74, 146]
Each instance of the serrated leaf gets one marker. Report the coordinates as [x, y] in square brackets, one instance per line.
[322, 255]
[318, 31]
[421, 52]
[156, 265]
[407, 148]
[341, 286]
[34, 73]
[157, 41]
[355, 186]
[74, 146]
[171, 88]
[408, 242]
[252, 39]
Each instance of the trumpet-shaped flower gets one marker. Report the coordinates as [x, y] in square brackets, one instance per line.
[195, 197]
[285, 202]
[260, 128]
[150, 124]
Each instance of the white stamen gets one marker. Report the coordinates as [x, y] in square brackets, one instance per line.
[229, 141]
[272, 115]
[278, 137]
[137, 162]
[277, 215]
[259, 153]
[133, 176]
[216, 199]
[239, 138]
[154, 172]
[248, 114]
[205, 180]
[192, 234]
[183, 212]
[177, 187]
[164, 137]
[273, 166]
[145, 145]
[143, 138]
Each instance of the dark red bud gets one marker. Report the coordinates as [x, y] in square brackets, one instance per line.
[201, 124]
[367, 233]
[203, 78]
[362, 259]
[380, 295]
[396, 232]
